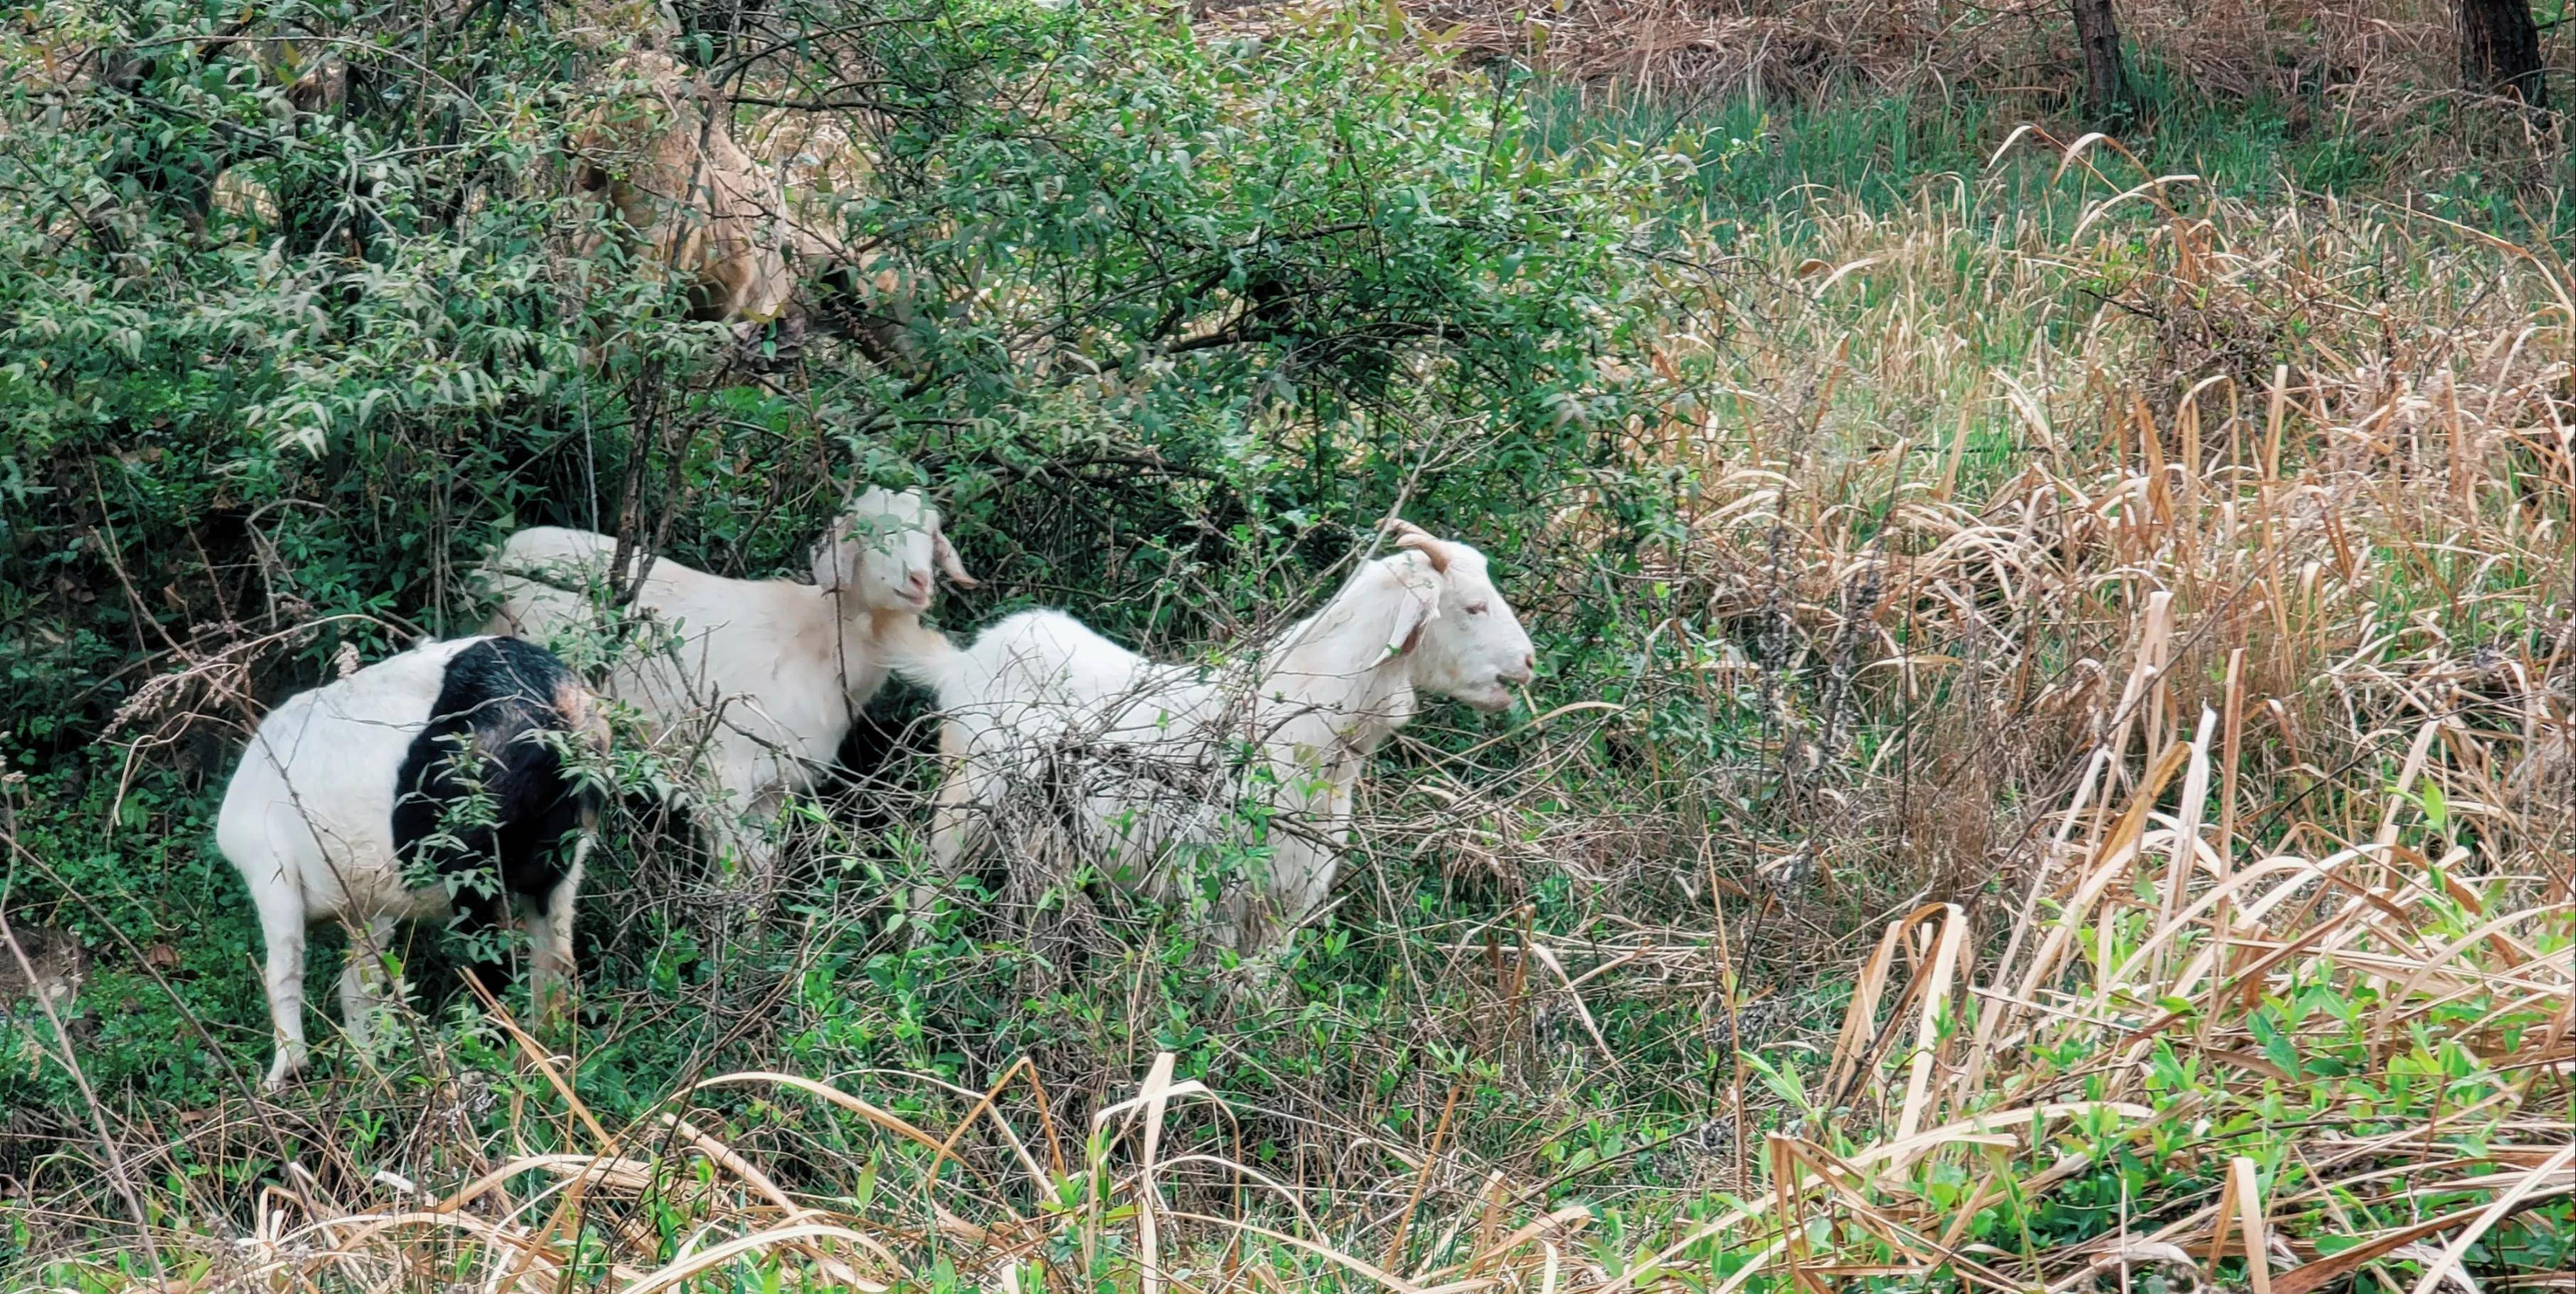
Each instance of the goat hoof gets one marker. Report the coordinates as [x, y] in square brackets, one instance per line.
[283, 1073]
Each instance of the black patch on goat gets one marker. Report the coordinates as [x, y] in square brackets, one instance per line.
[484, 737]
[896, 729]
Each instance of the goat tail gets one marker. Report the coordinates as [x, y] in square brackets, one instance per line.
[922, 655]
[585, 720]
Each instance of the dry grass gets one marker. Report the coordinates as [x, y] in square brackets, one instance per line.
[2280, 449]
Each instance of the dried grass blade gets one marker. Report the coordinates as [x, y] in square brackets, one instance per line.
[2530, 1184]
[1157, 1098]
[2195, 794]
[543, 1059]
[708, 1259]
[2309, 1277]
[2249, 1212]
[1860, 1018]
[1936, 992]
[1581, 1012]
[2108, 862]
[1327, 1253]
[890, 1122]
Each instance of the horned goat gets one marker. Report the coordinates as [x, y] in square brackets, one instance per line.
[352, 791]
[1139, 756]
[760, 678]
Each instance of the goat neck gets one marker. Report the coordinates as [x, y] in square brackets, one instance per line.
[848, 634]
[1333, 681]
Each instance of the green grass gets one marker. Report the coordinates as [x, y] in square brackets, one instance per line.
[1886, 150]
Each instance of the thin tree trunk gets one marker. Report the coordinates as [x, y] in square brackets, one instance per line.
[2106, 86]
[2500, 50]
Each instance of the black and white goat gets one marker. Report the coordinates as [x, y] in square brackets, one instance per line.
[430, 766]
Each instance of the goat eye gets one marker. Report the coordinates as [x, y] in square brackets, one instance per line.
[1478, 608]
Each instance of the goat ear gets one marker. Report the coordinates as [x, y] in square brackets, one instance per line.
[1417, 604]
[946, 554]
[836, 558]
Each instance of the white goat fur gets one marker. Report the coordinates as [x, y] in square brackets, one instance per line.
[760, 678]
[1041, 688]
[308, 821]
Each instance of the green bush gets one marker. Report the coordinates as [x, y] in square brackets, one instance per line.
[281, 367]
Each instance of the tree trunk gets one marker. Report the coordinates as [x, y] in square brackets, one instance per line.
[2500, 50]
[2106, 86]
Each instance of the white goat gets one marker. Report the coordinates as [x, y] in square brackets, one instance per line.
[760, 677]
[346, 786]
[1142, 754]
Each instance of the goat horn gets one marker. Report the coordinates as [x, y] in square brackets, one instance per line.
[1409, 535]
[946, 555]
